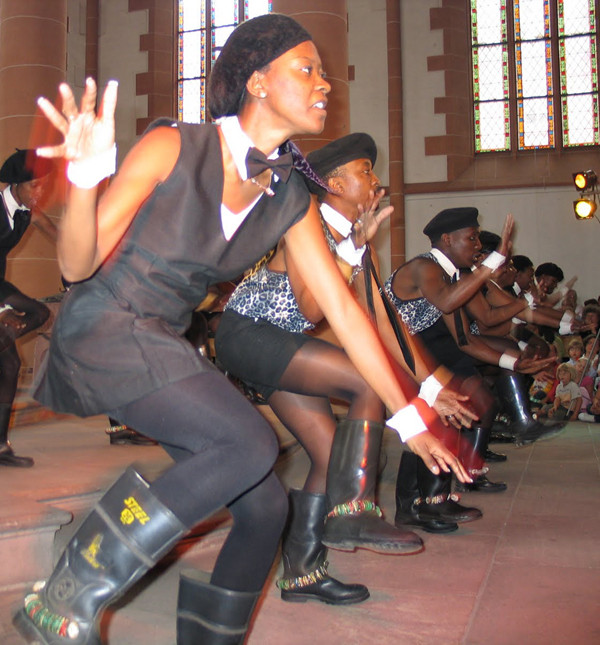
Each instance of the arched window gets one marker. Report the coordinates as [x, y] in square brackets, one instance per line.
[535, 74]
[204, 26]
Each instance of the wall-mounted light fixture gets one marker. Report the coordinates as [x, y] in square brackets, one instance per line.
[586, 182]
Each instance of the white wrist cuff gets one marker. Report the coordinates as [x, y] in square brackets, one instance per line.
[407, 423]
[90, 172]
[346, 250]
[565, 323]
[518, 321]
[494, 260]
[430, 388]
[507, 361]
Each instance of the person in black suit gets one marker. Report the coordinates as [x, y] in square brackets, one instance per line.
[19, 314]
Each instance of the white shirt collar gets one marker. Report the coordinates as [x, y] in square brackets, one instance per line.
[239, 143]
[336, 220]
[517, 289]
[10, 202]
[446, 263]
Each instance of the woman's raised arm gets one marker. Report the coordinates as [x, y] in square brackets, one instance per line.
[89, 232]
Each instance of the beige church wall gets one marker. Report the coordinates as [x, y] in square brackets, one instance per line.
[420, 88]
[546, 230]
[120, 58]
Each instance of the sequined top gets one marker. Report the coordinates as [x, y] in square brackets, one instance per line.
[268, 295]
[417, 314]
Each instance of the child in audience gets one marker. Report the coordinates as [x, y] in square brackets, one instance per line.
[567, 400]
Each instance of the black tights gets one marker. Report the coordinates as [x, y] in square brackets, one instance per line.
[224, 451]
[317, 372]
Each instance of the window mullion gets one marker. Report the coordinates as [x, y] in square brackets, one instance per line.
[512, 78]
[556, 79]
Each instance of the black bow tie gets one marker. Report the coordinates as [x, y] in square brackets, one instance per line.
[21, 212]
[257, 162]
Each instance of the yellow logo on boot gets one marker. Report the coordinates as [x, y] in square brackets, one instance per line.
[90, 554]
[133, 511]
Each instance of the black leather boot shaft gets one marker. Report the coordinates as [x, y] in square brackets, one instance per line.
[414, 485]
[212, 615]
[352, 477]
[128, 531]
[513, 395]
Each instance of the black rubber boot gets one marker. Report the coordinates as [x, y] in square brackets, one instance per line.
[305, 575]
[212, 615]
[472, 455]
[7, 455]
[128, 531]
[354, 520]
[514, 399]
[426, 500]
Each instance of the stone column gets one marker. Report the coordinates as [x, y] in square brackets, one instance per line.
[33, 52]
[395, 115]
[327, 22]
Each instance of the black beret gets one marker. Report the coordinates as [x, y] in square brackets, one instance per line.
[342, 151]
[521, 262]
[250, 47]
[489, 241]
[451, 219]
[551, 269]
[24, 165]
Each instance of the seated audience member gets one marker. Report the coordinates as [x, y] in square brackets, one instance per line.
[591, 347]
[575, 350]
[592, 413]
[567, 399]
[585, 383]
[591, 318]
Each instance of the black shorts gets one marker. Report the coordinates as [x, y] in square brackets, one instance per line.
[257, 352]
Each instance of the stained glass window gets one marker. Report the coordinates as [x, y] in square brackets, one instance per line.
[535, 74]
[204, 26]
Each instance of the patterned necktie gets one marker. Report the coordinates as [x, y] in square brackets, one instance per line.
[257, 162]
[458, 322]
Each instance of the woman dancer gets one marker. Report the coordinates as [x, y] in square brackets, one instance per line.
[183, 212]
[260, 339]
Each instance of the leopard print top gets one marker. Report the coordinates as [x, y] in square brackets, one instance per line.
[267, 295]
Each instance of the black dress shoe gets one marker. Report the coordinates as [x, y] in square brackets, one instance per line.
[413, 518]
[452, 511]
[8, 458]
[126, 436]
[494, 456]
[481, 484]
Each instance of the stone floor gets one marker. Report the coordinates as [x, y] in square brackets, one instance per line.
[527, 572]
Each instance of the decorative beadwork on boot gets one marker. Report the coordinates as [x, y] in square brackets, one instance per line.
[318, 575]
[114, 429]
[355, 507]
[437, 499]
[477, 472]
[47, 620]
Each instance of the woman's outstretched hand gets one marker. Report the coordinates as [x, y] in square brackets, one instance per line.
[86, 134]
[436, 456]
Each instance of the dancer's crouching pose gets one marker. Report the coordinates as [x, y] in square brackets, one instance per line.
[183, 213]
